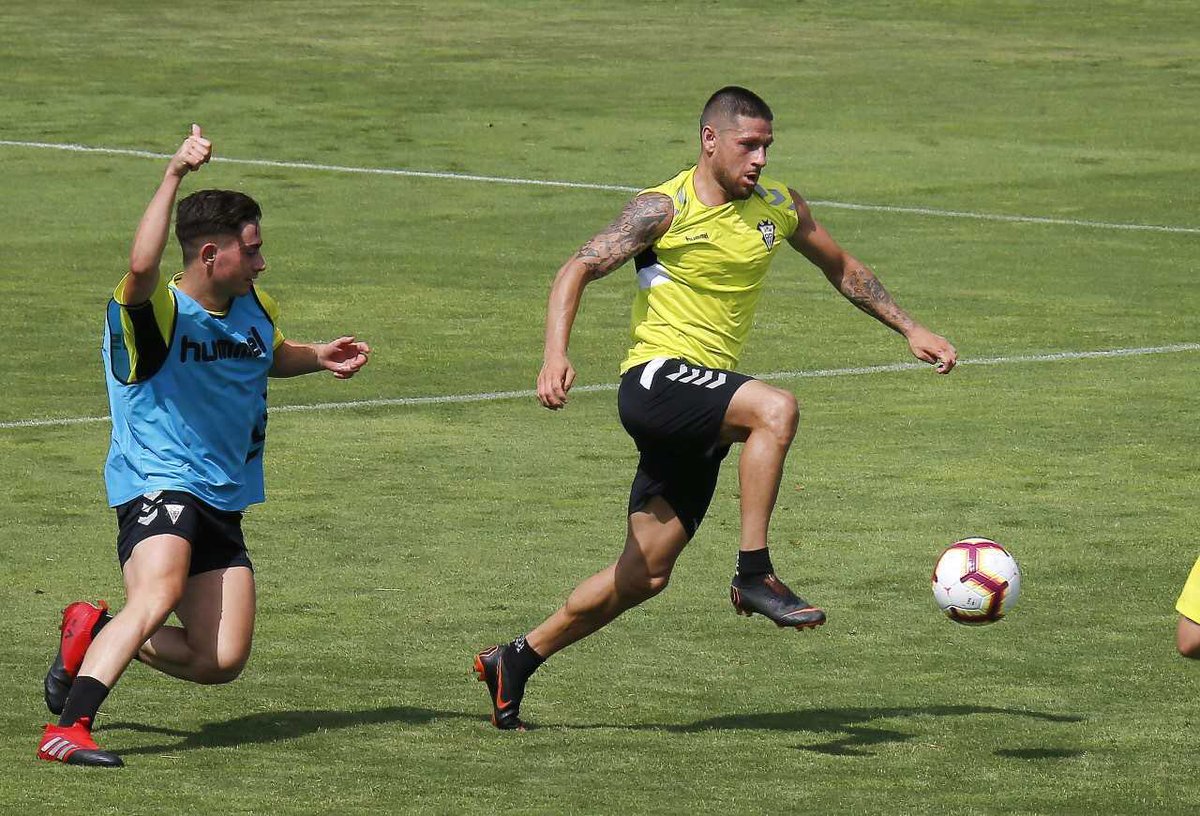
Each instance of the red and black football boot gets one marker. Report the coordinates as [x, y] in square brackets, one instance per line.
[770, 597]
[73, 744]
[78, 627]
[505, 690]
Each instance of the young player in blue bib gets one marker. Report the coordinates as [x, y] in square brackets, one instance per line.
[186, 363]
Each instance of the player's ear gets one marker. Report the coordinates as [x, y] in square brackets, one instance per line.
[208, 253]
[708, 138]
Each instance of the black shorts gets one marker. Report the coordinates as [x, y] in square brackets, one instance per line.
[674, 411]
[215, 535]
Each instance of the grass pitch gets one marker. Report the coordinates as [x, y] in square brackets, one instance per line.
[398, 539]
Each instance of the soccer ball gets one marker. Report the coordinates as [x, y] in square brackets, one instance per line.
[976, 581]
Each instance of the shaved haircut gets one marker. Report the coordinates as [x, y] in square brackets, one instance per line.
[732, 101]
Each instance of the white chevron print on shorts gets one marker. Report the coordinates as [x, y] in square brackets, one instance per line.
[698, 376]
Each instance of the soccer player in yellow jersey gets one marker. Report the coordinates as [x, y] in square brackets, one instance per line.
[702, 243]
[1187, 633]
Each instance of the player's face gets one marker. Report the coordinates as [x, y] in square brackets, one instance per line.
[740, 153]
[239, 260]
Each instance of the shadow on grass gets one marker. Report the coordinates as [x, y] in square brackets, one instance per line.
[275, 726]
[855, 734]
[852, 727]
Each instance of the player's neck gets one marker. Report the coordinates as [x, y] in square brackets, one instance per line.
[196, 285]
[708, 190]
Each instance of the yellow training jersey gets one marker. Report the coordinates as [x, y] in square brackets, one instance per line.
[1188, 604]
[698, 285]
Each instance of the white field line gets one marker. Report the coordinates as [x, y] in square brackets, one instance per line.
[493, 396]
[580, 185]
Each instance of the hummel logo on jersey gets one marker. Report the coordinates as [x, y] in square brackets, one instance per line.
[703, 236]
[208, 351]
[767, 228]
[698, 376]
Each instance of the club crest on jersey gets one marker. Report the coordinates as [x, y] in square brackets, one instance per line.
[767, 228]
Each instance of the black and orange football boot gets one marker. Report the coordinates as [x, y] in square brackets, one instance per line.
[770, 597]
[504, 688]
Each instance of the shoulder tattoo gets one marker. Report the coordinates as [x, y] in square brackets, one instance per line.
[643, 220]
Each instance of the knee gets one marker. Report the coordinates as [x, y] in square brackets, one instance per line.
[643, 586]
[780, 416]
[223, 664]
[151, 609]
[655, 584]
[221, 670]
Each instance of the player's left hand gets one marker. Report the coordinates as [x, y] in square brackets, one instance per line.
[933, 349]
[343, 356]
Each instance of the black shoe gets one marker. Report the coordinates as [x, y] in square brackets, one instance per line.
[57, 685]
[770, 597]
[506, 692]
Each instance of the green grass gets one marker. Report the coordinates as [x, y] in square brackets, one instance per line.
[398, 540]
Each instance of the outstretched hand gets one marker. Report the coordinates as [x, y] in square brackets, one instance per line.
[933, 349]
[343, 356]
[191, 155]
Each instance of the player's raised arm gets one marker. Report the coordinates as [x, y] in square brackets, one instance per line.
[643, 221]
[151, 236]
[859, 285]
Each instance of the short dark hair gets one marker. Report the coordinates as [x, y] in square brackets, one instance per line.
[731, 101]
[209, 213]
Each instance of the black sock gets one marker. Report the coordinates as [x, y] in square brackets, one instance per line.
[87, 693]
[754, 562]
[523, 660]
[100, 623]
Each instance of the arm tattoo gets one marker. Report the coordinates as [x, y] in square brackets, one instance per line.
[865, 291]
[639, 224]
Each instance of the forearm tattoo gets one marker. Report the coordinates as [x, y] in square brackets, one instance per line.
[638, 225]
[865, 291]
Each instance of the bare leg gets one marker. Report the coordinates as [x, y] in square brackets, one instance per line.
[155, 577]
[765, 419]
[217, 612]
[655, 539]
[215, 607]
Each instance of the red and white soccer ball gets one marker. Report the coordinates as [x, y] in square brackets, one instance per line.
[976, 581]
